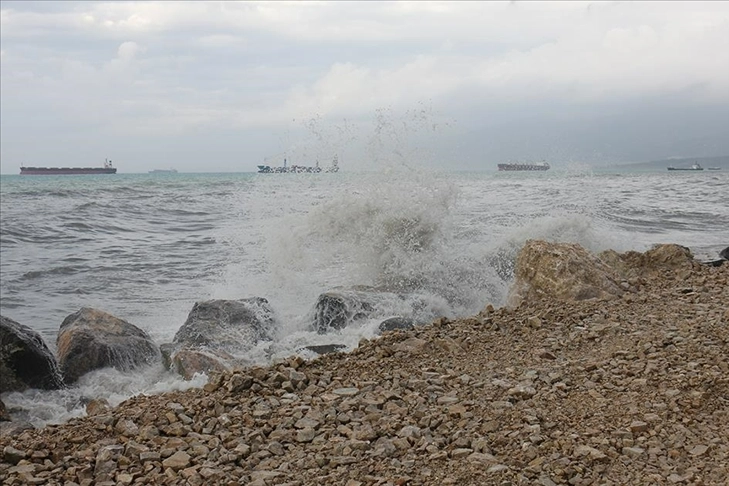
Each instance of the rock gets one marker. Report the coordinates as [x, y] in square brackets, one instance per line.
[226, 324]
[213, 330]
[394, 323]
[324, 348]
[590, 452]
[91, 339]
[724, 253]
[106, 462]
[411, 345]
[659, 258]
[335, 310]
[561, 271]
[13, 455]
[25, 360]
[699, 450]
[188, 362]
[177, 461]
[97, 406]
[14, 428]
[4, 415]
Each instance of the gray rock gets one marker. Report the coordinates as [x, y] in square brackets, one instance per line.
[337, 309]
[213, 330]
[324, 348]
[91, 339]
[227, 324]
[15, 428]
[394, 323]
[12, 455]
[4, 415]
[25, 360]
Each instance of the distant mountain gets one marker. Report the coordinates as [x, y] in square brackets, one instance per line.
[720, 161]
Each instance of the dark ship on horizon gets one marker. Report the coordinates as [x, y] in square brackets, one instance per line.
[106, 169]
[514, 166]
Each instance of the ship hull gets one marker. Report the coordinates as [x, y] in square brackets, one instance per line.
[520, 167]
[66, 170]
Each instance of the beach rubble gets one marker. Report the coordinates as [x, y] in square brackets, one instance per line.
[629, 387]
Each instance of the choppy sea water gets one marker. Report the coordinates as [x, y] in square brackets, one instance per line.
[145, 247]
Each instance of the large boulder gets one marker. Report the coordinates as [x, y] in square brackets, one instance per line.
[675, 259]
[227, 324]
[25, 360]
[561, 271]
[215, 331]
[91, 339]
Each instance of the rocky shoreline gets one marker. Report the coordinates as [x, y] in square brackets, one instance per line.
[612, 381]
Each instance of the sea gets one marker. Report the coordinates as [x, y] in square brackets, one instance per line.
[146, 247]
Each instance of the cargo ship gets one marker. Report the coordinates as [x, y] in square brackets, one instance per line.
[106, 169]
[695, 166]
[511, 166]
[163, 171]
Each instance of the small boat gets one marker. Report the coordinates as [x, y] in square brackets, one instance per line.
[298, 169]
[513, 166]
[695, 166]
[163, 171]
[106, 169]
[713, 168]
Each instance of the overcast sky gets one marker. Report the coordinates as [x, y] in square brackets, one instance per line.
[220, 85]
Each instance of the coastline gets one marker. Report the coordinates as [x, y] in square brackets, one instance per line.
[631, 390]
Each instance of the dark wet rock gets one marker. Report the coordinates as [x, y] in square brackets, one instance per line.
[227, 324]
[335, 310]
[4, 415]
[562, 271]
[723, 257]
[325, 348]
[91, 339]
[25, 360]
[394, 323]
[339, 308]
[213, 330]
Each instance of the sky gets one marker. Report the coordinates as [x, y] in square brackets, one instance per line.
[223, 86]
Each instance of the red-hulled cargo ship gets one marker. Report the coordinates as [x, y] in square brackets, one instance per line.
[107, 169]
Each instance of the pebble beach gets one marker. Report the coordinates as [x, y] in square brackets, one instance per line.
[630, 390]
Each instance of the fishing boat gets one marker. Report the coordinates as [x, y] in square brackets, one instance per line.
[106, 169]
[695, 166]
[298, 169]
[513, 166]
